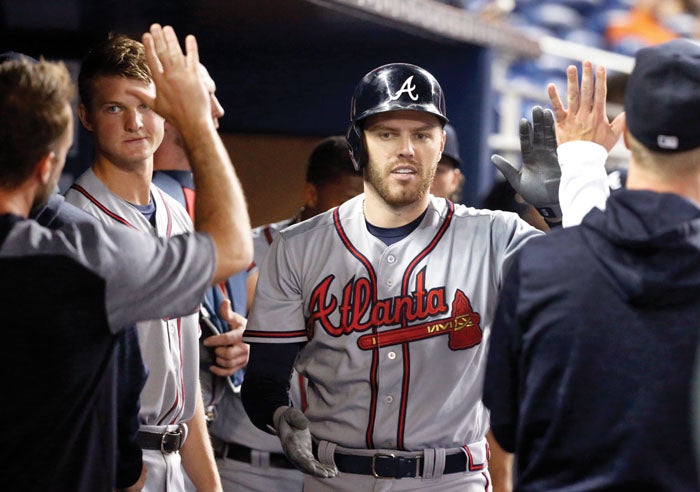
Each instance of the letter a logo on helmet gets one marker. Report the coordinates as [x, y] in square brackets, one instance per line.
[407, 88]
[376, 93]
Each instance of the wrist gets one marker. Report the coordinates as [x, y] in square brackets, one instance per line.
[275, 419]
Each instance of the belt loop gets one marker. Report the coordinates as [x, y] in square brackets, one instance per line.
[185, 433]
[260, 459]
[434, 463]
[326, 452]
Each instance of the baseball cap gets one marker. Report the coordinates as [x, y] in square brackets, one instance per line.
[451, 149]
[662, 98]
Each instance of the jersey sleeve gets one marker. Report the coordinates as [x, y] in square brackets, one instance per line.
[145, 277]
[277, 314]
[584, 180]
[509, 234]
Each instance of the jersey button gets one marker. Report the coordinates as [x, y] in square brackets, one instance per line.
[391, 355]
[389, 399]
[391, 258]
[390, 282]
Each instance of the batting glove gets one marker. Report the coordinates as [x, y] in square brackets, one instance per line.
[537, 181]
[292, 428]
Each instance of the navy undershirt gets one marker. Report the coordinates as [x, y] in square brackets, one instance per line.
[391, 235]
[148, 211]
[266, 383]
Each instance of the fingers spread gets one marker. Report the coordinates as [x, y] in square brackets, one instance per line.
[555, 101]
[587, 83]
[572, 91]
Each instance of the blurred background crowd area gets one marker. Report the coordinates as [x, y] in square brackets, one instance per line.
[606, 31]
[284, 71]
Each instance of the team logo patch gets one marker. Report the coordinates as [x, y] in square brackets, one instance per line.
[408, 87]
[462, 329]
[358, 314]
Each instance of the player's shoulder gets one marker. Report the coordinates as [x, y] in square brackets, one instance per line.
[327, 222]
[467, 214]
[84, 186]
[269, 231]
[75, 240]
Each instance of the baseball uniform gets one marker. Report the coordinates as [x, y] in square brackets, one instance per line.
[247, 458]
[75, 288]
[170, 346]
[131, 372]
[394, 338]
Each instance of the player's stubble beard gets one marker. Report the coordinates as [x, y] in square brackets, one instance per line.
[399, 196]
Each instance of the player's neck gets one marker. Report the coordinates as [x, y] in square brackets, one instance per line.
[17, 201]
[131, 183]
[381, 214]
[686, 185]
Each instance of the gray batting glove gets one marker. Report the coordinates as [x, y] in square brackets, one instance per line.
[537, 181]
[292, 428]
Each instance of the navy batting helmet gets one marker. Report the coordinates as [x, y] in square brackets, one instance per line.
[392, 87]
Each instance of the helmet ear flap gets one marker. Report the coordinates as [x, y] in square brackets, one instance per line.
[357, 146]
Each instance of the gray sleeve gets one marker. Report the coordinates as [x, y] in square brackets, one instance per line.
[510, 233]
[150, 278]
[145, 277]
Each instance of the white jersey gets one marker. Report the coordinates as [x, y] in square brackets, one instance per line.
[169, 346]
[395, 335]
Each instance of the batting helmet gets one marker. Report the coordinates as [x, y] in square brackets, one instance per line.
[392, 87]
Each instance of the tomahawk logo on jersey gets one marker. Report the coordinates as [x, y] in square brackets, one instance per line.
[357, 313]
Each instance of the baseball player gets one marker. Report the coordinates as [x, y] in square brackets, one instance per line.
[89, 280]
[222, 352]
[54, 214]
[249, 459]
[117, 189]
[449, 179]
[385, 305]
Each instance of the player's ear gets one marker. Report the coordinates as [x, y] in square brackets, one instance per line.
[625, 136]
[310, 195]
[44, 167]
[84, 116]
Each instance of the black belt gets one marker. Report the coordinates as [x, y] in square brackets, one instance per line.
[387, 465]
[238, 452]
[165, 442]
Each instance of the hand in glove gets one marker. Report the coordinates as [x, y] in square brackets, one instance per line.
[537, 181]
[292, 428]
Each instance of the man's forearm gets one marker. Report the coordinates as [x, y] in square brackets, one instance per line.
[219, 190]
[197, 455]
[500, 466]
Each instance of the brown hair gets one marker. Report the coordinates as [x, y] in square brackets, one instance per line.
[34, 112]
[118, 55]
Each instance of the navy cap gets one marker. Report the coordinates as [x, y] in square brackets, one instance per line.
[451, 149]
[662, 98]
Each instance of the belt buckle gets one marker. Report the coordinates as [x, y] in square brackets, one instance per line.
[374, 463]
[398, 471]
[163, 439]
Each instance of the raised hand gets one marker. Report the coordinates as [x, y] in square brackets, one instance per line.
[585, 117]
[181, 97]
[537, 181]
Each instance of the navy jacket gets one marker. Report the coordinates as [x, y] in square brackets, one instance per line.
[593, 349]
